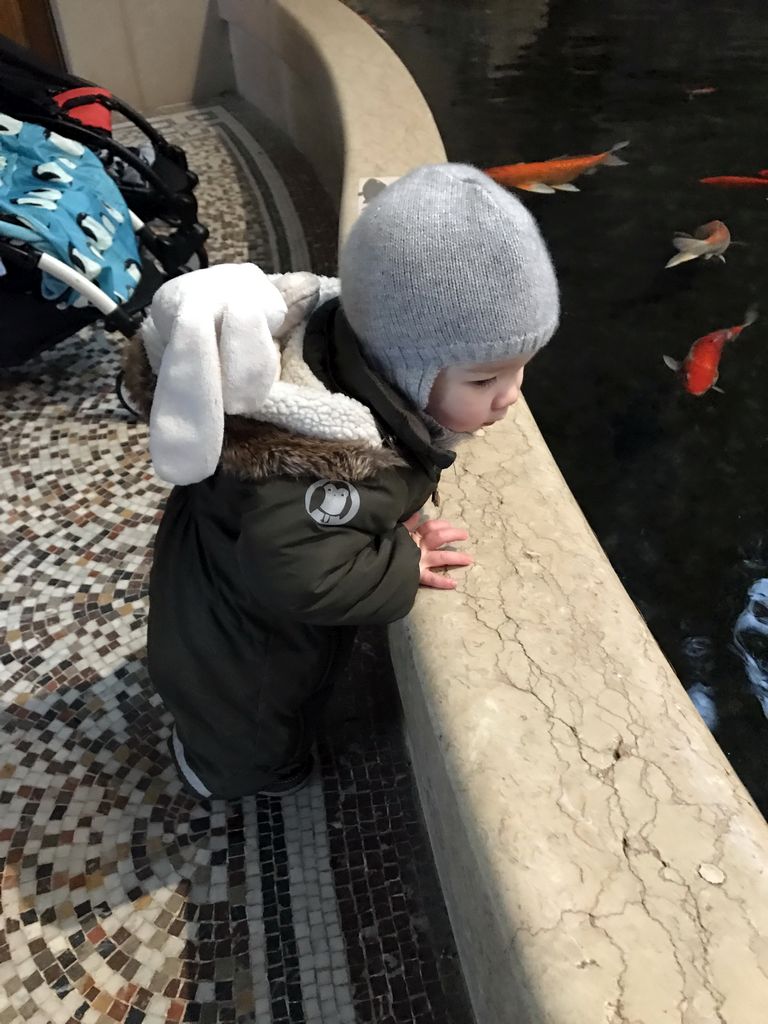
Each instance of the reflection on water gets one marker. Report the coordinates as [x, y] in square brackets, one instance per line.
[685, 82]
[750, 636]
[703, 700]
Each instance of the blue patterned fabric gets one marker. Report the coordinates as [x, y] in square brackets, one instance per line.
[56, 195]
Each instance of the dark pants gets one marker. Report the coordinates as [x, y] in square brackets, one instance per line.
[247, 716]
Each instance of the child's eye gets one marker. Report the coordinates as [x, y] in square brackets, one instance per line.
[484, 383]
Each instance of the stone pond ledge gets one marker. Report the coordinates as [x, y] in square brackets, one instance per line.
[601, 862]
[600, 859]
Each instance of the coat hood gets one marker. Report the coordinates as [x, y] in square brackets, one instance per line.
[294, 423]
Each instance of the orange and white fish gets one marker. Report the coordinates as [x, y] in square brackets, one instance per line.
[708, 241]
[557, 174]
[700, 368]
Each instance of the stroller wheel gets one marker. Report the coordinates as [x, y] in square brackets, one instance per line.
[123, 397]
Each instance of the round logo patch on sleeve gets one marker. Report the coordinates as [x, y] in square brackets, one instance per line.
[332, 504]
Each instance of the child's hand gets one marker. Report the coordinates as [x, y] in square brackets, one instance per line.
[430, 536]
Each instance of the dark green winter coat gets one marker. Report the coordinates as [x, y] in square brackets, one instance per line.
[262, 571]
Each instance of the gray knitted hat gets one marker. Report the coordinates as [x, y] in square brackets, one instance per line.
[446, 267]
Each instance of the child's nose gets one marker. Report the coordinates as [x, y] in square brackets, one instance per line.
[507, 398]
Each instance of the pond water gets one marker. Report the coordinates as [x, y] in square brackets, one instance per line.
[674, 486]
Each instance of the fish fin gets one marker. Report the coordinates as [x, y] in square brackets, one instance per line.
[684, 243]
[673, 364]
[719, 256]
[566, 187]
[681, 257]
[719, 390]
[590, 170]
[535, 186]
[681, 234]
[762, 174]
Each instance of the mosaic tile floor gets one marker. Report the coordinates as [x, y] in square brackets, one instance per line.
[123, 899]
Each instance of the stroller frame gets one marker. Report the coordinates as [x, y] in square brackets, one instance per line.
[33, 92]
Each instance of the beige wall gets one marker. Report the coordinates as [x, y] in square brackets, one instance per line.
[344, 98]
[150, 53]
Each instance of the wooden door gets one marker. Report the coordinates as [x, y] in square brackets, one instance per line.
[30, 23]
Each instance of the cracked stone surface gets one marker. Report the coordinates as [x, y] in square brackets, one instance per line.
[619, 866]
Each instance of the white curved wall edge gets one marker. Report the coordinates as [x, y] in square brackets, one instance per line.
[601, 862]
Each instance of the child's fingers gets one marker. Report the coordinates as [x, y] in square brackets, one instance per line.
[433, 579]
[441, 559]
[437, 538]
[434, 524]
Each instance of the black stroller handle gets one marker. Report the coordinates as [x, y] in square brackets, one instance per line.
[94, 140]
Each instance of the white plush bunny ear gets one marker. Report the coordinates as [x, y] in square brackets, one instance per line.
[209, 340]
[250, 363]
[186, 425]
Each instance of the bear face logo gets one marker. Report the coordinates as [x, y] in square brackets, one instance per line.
[332, 504]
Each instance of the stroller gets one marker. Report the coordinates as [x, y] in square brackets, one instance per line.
[154, 181]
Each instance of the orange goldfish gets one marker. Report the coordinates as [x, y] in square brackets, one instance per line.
[699, 369]
[549, 175]
[737, 181]
[708, 241]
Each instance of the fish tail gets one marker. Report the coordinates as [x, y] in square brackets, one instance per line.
[681, 257]
[615, 161]
[750, 316]
[687, 249]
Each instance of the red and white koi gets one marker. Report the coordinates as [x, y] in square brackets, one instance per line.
[699, 371]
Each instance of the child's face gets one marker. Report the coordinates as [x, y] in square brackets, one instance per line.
[465, 398]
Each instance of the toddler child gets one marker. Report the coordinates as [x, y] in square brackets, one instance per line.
[305, 421]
